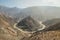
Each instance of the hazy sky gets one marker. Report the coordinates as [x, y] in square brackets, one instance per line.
[28, 3]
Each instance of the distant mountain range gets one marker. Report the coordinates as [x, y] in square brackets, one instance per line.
[38, 12]
[9, 11]
[41, 12]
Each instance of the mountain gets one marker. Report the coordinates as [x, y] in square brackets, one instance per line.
[50, 33]
[29, 24]
[6, 28]
[51, 22]
[6, 19]
[53, 27]
[9, 11]
[28, 21]
[8, 31]
[41, 13]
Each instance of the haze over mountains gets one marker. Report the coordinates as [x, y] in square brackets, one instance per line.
[38, 12]
[42, 12]
[9, 11]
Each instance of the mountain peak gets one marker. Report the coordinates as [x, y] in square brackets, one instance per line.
[28, 24]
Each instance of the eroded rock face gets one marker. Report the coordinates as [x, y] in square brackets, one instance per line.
[29, 24]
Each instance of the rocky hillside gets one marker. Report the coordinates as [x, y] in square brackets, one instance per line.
[8, 31]
[51, 33]
[29, 24]
[51, 21]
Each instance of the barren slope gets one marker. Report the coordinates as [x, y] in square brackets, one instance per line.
[7, 30]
